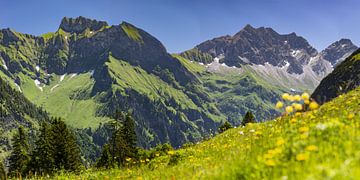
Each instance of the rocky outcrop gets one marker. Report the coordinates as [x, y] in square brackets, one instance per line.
[345, 77]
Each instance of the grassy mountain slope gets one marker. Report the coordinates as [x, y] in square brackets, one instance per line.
[236, 92]
[318, 144]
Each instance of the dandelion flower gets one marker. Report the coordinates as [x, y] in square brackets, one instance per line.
[297, 106]
[270, 162]
[171, 152]
[289, 109]
[305, 96]
[350, 116]
[291, 98]
[293, 120]
[303, 129]
[285, 96]
[280, 142]
[313, 105]
[279, 105]
[297, 98]
[311, 148]
[306, 101]
[302, 157]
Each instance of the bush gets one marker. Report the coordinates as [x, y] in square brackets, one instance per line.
[225, 127]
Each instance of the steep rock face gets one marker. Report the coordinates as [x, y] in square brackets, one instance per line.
[259, 46]
[345, 77]
[338, 51]
[78, 25]
[284, 55]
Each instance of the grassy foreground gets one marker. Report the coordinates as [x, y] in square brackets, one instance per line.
[320, 144]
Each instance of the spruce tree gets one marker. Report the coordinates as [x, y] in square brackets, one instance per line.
[249, 118]
[105, 160]
[66, 153]
[129, 135]
[19, 157]
[42, 161]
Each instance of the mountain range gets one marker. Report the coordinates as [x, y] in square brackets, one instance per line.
[87, 70]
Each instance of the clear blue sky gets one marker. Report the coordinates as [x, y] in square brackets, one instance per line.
[181, 24]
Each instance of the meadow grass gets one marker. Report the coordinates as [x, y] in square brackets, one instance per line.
[318, 144]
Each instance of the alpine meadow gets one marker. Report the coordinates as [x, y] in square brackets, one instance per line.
[88, 90]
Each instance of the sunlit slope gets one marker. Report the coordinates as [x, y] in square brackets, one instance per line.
[66, 96]
[319, 144]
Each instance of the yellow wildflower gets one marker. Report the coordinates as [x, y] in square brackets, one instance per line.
[279, 105]
[128, 159]
[171, 152]
[303, 129]
[280, 142]
[157, 154]
[313, 105]
[297, 106]
[302, 157]
[270, 162]
[289, 109]
[306, 101]
[291, 98]
[297, 98]
[311, 148]
[305, 96]
[293, 120]
[285, 96]
[351, 115]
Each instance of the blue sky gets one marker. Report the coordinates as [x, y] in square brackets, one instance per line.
[180, 25]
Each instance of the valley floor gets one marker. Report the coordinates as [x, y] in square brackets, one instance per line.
[319, 144]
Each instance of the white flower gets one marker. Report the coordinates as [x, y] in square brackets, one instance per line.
[321, 126]
[252, 130]
[241, 132]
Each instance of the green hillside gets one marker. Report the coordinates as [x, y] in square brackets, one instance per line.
[319, 144]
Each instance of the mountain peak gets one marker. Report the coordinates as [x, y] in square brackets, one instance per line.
[79, 24]
[338, 51]
[248, 27]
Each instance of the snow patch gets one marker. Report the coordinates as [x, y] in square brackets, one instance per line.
[38, 83]
[62, 77]
[19, 88]
[287, 64]
[73, 75]
[295, 53]
[92, 72]
[4, 65]
[244, 59]
[54, 87]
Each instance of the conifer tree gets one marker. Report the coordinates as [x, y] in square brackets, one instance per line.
[66, 153]
[249, 118]
[19, 157]
[105, 160]
[129, 136]
[42, 161]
